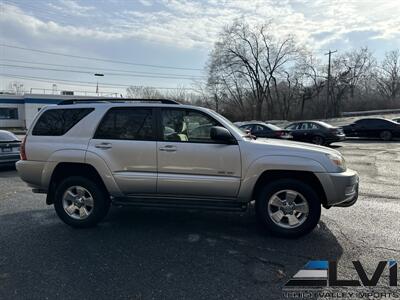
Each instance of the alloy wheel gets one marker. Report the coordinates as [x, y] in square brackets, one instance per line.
[288, 209]
[78, 202]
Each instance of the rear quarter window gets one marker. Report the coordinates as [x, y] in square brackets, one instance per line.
[56, 122]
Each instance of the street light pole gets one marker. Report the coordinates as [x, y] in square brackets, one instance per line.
[97, 83]
[329, 80]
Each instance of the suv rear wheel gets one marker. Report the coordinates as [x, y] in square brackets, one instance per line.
[288, 208]
[81, 202]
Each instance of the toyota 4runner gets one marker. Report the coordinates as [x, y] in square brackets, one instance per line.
[88, 155]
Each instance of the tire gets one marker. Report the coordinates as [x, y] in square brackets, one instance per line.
[265, 208]
[386, 135]
[318, 140]
[93, 198]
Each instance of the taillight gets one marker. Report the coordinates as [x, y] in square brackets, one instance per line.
[22, 152]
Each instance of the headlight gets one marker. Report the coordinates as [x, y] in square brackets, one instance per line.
[338, 161]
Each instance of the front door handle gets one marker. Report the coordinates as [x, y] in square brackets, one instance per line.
[103, 146]
[168, 148]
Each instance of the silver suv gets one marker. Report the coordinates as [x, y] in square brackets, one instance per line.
[86, 156]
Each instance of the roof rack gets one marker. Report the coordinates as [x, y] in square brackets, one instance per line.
[117, 100]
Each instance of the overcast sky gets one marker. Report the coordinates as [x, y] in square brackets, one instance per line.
[176, 34]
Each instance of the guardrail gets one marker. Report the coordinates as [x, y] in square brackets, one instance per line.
[370, 112]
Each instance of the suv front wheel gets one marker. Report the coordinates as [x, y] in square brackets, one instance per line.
[288, 208]
[81, 202]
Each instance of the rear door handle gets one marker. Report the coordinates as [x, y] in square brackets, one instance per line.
[168, 148]
[103, 146]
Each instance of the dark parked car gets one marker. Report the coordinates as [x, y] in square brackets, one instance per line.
[373, 128]
[9, 148]
[316, 132]
[264, 130]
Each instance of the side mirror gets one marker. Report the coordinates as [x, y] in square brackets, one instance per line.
[221, 134]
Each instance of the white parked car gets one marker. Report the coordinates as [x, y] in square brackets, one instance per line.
[9, 148]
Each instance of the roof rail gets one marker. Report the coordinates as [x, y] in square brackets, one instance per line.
[117, 100]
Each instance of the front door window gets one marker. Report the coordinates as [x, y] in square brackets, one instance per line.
[180, 125]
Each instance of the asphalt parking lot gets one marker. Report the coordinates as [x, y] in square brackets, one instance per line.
[173, 254]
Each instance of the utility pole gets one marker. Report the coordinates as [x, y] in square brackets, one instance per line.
[329, 81]
[97, 83]
[216, 102]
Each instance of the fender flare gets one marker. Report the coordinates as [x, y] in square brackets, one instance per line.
[79, 156]
[276, 163]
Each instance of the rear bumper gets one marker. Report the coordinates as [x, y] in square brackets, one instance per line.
[341, 189]
[31, 172]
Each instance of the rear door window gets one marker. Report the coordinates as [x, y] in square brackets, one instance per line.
[312, 126]
[56, 122]
[383, 123]
[303, 126]
[368, 123]
[127, 124]
[261, 129]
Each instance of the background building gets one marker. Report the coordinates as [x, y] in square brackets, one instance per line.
[18, 111]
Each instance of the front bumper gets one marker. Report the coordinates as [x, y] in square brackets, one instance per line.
[341, 189]
[8, 159]
[336, 138]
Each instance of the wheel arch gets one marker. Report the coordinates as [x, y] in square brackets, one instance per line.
[303, 176]
[390, 131]
[68, 169]
[319, 135]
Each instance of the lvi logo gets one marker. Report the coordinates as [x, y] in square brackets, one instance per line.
[323, 273]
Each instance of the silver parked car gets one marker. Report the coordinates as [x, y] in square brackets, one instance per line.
[86, 156]
[9, 148]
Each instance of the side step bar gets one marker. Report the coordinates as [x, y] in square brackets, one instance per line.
[184, 203]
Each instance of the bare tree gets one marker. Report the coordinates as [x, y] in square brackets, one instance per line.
[248, 61]
[312, 82]
[182, 95]
[287, 92]
[349, 70]
[388, 75]
[254, 75]
[360, 64]
[144, 92]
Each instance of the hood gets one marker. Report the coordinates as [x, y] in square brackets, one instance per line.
[299, 147]
[256, 149]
